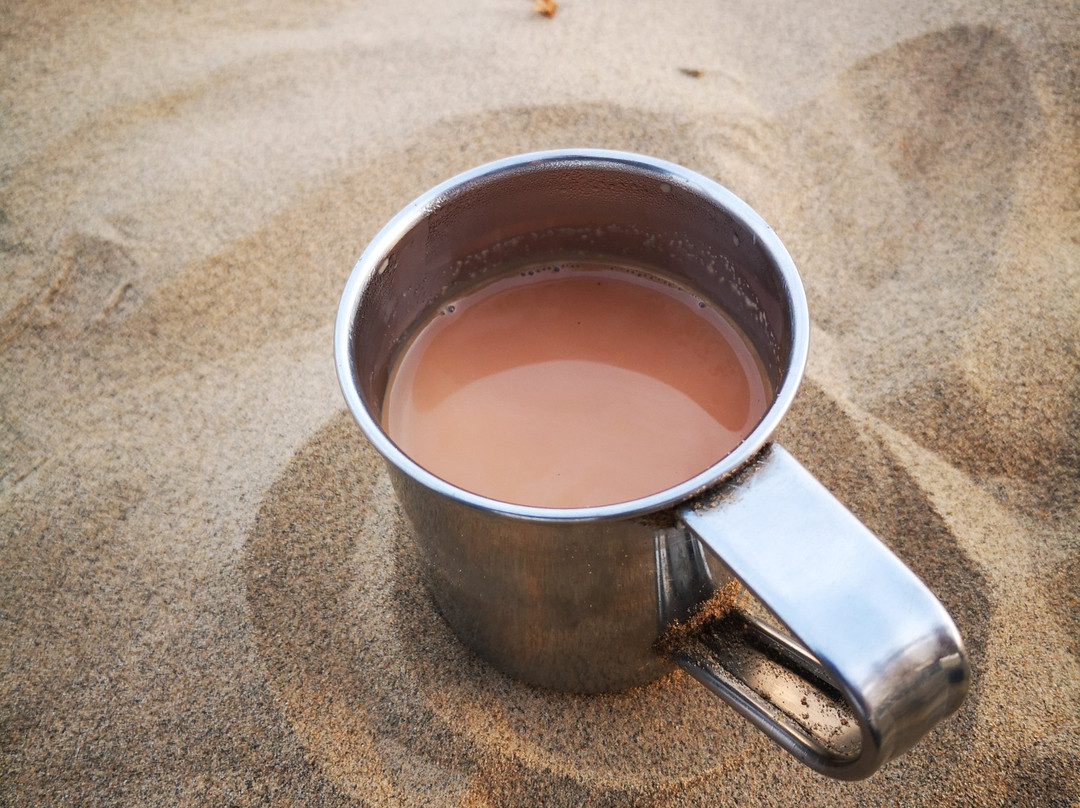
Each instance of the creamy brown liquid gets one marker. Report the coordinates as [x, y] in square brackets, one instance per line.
[574, 386]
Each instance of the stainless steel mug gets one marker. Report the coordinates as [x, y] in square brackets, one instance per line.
[861, 660]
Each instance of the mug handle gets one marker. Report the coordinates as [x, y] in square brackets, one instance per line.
[873, 661]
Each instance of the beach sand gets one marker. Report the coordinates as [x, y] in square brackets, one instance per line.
[207, 594]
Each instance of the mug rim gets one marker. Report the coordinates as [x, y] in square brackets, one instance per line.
[377, 250]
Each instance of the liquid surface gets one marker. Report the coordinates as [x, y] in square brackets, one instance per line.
[574, 386]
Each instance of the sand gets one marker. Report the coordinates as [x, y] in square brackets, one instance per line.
[207, 595]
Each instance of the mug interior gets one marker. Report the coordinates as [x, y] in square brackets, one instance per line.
[562, 206]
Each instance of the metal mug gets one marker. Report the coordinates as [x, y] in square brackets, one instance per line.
[864, 661]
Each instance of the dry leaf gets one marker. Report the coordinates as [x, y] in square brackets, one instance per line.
[546, 7]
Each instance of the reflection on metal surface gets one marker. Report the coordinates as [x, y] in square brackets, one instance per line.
[772, 679]
[683, 578]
